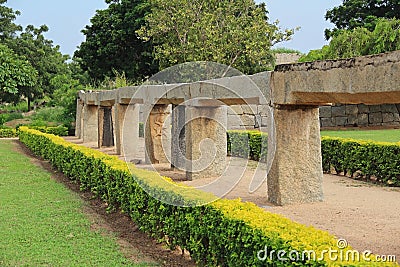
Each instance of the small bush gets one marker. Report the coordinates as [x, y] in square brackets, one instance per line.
[366, 159]
[6, 117]
[248, 144]
[8, 133]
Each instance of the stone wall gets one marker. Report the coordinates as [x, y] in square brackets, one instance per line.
[359, 115]
[254, 117]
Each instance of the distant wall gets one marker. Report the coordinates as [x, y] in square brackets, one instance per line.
[359, 115]
[253, 117]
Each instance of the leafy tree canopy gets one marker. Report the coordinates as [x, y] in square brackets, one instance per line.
[234, 33]
[112, 45]
[7, 26]
[15, 73]
[360, 41]
[360, 13]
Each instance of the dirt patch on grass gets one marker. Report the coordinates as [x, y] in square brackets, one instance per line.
[136, 245]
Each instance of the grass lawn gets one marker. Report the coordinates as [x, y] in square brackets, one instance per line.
[42, 222]
[375, 135]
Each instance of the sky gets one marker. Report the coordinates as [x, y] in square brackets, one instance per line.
[67, 18]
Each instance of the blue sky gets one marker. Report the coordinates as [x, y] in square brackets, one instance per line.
[68, 17]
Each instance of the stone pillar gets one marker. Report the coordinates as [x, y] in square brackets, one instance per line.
[158, 134]
[106, 131]
[126, 129]
[90, 123]
[79, 118]
[296, 172]
[206, 147]
[178, 146]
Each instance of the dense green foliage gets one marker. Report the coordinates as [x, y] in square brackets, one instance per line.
[8, 133]
[29, 61]
[353, 14]
[112, 45]
[360, 41]
[248, 144]
[221, 233]
[234, 33]
[15, 73]
[42, 223]
[363, 159]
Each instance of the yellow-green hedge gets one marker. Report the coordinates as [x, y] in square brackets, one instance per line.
[222, 233]
[8, 133]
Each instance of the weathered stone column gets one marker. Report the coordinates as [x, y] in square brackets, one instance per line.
[90, 123]
[296, 172]
[206, 147]
[79, 118]
[126, 129]
[106, 131]
[158, 134]
[178, 146]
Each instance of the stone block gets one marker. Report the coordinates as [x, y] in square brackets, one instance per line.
[396, 117]
[263, 110]
[362, 119]
[352, 120]
[375, 118]
[234, 122]
[363, 108]
[296, 172]
[325, 112]
[375, 108]
[389, 108]
[326, 122]
[247, 120]
[387, 117]
[249, 109]
[338, 111]
[235, 109]
[265, 121]
[351, 109]
[340, 121]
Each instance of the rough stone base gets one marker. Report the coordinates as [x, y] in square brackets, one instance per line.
[205, 141]
[296, 173]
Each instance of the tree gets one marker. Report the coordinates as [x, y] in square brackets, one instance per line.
[44, 58]
[16, 74]
[112, 45]
[234, 33]
[7, 26]
[360, 13]
[360, 41]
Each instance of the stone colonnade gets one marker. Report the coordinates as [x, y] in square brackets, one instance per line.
[187, 127]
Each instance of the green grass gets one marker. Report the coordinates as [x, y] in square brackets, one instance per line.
[374, 135]
[42, 223]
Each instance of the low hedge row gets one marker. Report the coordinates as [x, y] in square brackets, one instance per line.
[221, 233]
[56, 130]
[8, 133]
[248, 144]
[365, 159]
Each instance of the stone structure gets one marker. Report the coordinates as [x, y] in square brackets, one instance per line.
[294, 92]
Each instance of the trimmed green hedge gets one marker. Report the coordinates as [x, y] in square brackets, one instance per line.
[8, 133]
[247, 144]
[56, 130]
[221, 233]
[365, 159]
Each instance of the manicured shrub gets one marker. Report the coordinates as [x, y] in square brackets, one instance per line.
[248, 144]
[8, 133]
[366, 159]
[220, 233]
